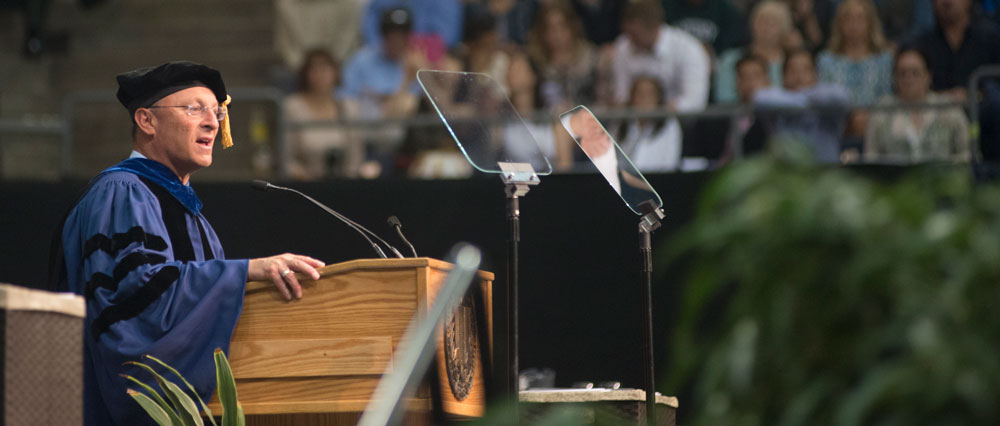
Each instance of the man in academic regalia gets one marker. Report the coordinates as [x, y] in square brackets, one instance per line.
[137, 248]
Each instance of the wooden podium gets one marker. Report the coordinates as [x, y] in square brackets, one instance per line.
[316, 361]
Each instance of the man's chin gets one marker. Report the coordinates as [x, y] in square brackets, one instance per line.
[203, 161]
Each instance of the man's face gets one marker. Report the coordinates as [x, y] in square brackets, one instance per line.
[395, 43]
[590, 134]
[182, 142]
[640, 34]
[800, 73]
[750, 77]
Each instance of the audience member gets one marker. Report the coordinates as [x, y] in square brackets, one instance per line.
[957, 45]
[649, 47]
[913, 134]
[653, 144]
[430, 151]
[380, 82]
[513, 17]
[315, 152]
[812, 21]
[300, 25]
[522, 80]
[716, 23]
[481, 49]
[856, 56]
[903, 20]
[437, 24]
[569, 67]
[601, 19]
[382, 79]
[770, 30]
[819, 109]
[722, 139]
[745, 134]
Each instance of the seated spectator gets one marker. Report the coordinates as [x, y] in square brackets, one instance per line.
[513, 18]
[300, 25]
[811, 19]
[715, 23]
[382, 79]
[316, 152]
[437, 24]
[430, 151]
[903, 20]
[522, 80]
[746, 134]
[649, 47]
[601, 19]
[380, 82]
[957, 45]
[804, 110]
[770, 34]
[653, 144]
[724, 139]
[915, 134]
[856, 56]
[569, 66]
[481, 49]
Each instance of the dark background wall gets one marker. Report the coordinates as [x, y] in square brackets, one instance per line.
[579, 286]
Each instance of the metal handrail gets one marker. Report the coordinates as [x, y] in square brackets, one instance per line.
[609, 114]
[62, 126]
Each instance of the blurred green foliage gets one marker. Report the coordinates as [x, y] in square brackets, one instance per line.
[816, 296]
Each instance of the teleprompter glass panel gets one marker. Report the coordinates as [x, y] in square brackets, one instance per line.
[481, 120]
[610, 160]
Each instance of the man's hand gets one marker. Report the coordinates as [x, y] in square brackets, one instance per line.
[281, 271]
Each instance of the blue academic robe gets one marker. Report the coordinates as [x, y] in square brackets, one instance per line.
[155, 280]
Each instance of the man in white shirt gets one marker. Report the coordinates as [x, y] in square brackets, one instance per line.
[647, 46]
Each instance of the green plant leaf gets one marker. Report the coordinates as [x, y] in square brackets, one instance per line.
[152, 408]
[174, 419]
[226, 385]
[241, 418]
[204, 407]
[181, 402]
[190, 413]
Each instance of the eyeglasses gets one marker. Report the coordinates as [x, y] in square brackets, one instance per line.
[198, 110]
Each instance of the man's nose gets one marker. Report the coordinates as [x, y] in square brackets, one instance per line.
[208, 121]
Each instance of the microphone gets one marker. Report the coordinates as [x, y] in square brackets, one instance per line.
[264, 186]
[395, 223]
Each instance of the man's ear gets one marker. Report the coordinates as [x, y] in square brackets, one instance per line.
[145, 121]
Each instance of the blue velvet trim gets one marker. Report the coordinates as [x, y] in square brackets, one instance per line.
[162, 176]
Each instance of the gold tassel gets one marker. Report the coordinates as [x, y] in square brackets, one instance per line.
[227, 135]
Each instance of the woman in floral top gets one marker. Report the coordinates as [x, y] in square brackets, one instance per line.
[857, 56]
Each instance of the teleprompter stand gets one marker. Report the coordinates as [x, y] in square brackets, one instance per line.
[494, 139]
[650, 222]
[518, 178]
[626, 179]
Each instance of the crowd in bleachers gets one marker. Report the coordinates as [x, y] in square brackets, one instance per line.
[855, 80]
